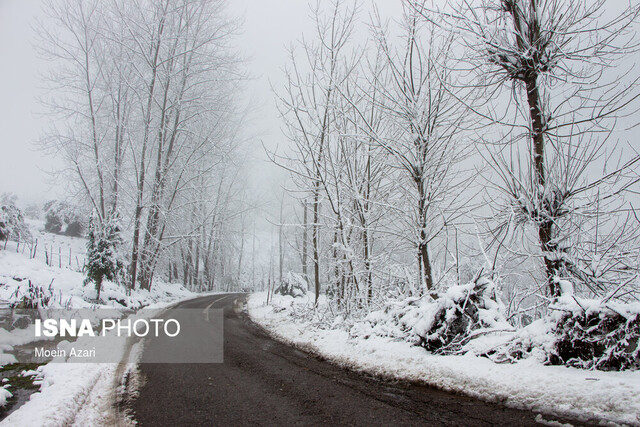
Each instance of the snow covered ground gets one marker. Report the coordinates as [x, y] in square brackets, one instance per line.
[551, 390]
[70, 393]
[66, 288]
[65, 389]
[62, 278]
[55, 249]
[82, 394]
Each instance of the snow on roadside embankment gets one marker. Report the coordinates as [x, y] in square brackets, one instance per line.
[64, 390]
[64, 287]
[53, 264]
[70, 393]
[557, 390]
[82, 394]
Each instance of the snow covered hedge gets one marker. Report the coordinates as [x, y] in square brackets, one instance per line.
[591, 335]
[292, 284]
[471, 318]
[63, 218]
[12, 225]
[444, 324]
[461, 314]
[588, 334]
[583, 333]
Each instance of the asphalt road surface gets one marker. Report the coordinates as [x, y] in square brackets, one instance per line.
[265, 382]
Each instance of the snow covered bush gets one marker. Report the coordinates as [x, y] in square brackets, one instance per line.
[12, 225]
[103, 261]
[35, 297]
[32, 211]
[460, 314]
[292, 284]
[397, 320]
[63, 218]
[592, 335]
[579, 332]
[443, 324]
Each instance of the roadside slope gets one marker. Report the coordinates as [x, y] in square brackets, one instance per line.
[588, 396]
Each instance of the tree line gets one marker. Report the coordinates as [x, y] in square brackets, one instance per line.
[145, 119]
[481, 137]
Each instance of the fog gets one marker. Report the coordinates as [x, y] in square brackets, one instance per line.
[268, 29]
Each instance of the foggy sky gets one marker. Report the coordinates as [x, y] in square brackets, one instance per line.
[19, 127]
[269, 27]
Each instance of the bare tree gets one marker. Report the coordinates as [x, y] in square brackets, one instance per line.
[94, 104]
[307, 105]
[423, 136]
[556, 60]
[147, 111]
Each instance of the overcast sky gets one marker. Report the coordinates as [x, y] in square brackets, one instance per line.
[269, 27]
[19, 128]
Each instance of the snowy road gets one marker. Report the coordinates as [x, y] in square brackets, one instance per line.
[264, 382]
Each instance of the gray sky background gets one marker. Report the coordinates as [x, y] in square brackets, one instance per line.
[269, 27]
[19, 127]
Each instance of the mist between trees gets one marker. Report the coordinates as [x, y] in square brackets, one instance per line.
[466, 139]
[146, 121]
[471, 139]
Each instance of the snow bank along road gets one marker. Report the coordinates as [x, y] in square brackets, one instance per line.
[265, 382]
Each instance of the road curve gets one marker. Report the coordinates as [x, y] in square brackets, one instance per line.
[265, 382]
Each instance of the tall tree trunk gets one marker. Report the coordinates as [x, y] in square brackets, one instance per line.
[121, 113]
[305, 238]
[94, 130]
[153, 218]
[315, 241]
[280, 242]
[253, 256]
[196, 269]
[241, 252]
[316, 196]
[365, 226]
[367, 265]
[528, 34]
[423, 251]
[426, 263]
[545, 223]
[133, 270]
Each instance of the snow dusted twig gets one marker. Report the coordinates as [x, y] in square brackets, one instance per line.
[578, 302]
[615, 291]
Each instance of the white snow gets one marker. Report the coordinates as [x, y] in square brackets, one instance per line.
[552, 390]
[63, 391]
[19, 337]
[70, 393]
[67, 285]
[4, 395]
[79, 393]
